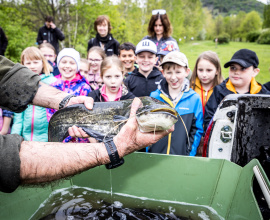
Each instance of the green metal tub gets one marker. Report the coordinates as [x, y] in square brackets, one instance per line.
[190, 185]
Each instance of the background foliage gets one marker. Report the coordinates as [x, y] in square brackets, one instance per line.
[21, 20]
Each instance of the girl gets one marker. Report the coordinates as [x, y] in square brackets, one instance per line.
[160, 29]
[70, 79]
[49, 53]
[32, 124]
[112, 76]
[206, 75]
[95, 57]
[84, 68]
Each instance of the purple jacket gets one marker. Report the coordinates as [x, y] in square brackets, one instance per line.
[78, 86]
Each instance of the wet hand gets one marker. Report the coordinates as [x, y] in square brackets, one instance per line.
[88, 102]
[130, 139]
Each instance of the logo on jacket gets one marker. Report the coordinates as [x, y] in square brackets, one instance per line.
[183, 108]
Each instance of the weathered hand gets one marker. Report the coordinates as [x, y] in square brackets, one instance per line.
[130, 139]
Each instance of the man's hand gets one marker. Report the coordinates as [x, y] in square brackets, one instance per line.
[53, 26]
[88, 102]
[130, 139]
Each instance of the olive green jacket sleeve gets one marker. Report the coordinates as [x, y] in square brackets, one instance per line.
[18, 85]
[10, 162]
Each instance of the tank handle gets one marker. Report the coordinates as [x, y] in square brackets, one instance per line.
[262, 183]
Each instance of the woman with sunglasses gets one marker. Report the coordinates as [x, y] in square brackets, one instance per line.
[104, 38]
[160, 29]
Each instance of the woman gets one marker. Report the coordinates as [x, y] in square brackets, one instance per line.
[159, 28]
[103, 37]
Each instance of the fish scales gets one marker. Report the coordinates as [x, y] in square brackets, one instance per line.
[105, 117]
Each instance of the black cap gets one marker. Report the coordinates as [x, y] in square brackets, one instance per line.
[244, 58]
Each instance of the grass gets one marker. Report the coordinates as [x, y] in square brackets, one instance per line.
[193, 49]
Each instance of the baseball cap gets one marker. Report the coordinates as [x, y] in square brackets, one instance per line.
[167, 47]
[146, 45]
[176, 57]
[244, 58]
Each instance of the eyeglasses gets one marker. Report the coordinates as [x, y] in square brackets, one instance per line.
[50, 56]
[95, 60]
[159, 11]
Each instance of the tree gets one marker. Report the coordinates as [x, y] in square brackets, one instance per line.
[252, 22]
[266, 15]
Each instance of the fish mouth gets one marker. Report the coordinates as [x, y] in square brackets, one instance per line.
[165, 110]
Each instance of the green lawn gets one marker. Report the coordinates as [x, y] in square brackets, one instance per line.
[193, 49]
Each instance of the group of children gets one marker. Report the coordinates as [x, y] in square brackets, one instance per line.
[118, 78]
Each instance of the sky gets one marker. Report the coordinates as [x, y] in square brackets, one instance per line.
[264, 1]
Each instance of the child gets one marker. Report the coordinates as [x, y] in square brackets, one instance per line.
[112, 76]
[49, 53]
[84, 68]
[166, 47]
[95, 57]
[70, 80]
[143, 81]
[5, 121]
[127, 57]
[206, 75]
[242, 72]
[174, 90]
[32, 123]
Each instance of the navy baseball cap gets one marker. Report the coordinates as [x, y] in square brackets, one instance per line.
[244, 58]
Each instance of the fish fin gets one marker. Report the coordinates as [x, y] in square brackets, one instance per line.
[119, 118]
[94, 134]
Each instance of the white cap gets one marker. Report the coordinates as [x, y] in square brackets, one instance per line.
[176, 57]
[69, 52]
[146, 45]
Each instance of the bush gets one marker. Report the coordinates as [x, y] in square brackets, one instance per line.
[223, 38]
[253, 36]
[264, 38]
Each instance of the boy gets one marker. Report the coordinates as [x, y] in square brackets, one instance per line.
[142, 81]
[126, 53]
[242, 72]
[174, 90]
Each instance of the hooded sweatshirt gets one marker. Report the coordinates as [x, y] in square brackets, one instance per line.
[186, 136]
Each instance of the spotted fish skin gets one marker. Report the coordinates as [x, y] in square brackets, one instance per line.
[106, 118]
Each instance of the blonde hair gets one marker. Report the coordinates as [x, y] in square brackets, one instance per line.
[47, 45]
[33, 53]
[98, 50]
[212, 57]
[110, 61]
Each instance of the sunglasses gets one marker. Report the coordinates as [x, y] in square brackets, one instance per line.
[159, 11]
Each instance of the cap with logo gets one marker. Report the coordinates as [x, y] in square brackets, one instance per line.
[146, 45]
[176, 57]
[167, 47]
[244, 58]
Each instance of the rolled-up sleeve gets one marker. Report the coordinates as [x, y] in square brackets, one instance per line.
[18, 85]
[10, 162]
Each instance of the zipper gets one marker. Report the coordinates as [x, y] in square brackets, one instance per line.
[32, 124]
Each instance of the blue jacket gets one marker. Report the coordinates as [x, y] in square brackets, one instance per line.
[188, 131]
[32, 123]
